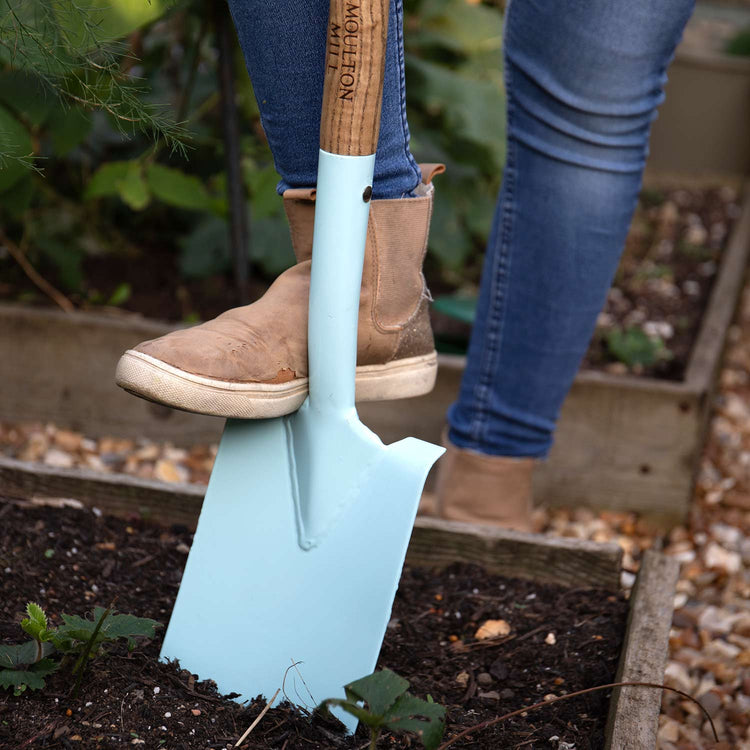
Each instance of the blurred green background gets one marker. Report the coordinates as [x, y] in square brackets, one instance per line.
[113, 185]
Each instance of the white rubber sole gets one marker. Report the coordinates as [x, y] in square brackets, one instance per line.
[157, 381]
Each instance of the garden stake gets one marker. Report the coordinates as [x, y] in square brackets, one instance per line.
[306, 521]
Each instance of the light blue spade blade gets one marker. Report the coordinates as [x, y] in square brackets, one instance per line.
[304, 528]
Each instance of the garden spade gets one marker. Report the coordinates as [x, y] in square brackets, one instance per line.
[304, 528]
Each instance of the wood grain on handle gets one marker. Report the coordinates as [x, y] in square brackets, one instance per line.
[355, 62]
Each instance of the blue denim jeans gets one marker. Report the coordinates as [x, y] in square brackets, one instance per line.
[583, 80]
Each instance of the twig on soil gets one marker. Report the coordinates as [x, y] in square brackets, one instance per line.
[498, 719]
[257, 720]
[19, 256]
[283, 685]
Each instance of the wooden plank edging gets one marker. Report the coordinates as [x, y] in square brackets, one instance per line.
[634, 711]
[568, 562]
[118, 494]
[434, 542]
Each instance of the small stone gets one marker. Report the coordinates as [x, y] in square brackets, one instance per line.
[195, 711]
[68, 441]
[157, 690]
[57, 458]
[168, 471]
[669, 731]
[712, 702]
[484, 679]
[677, 676]
[550, 697]
[551, 639]
[499, 670]
[492, 629]
[490, 695]
[168, 715]
[182, 547]
[716, 620]
[680, 600]
[506, 694]
[720, 649]
[718, 558]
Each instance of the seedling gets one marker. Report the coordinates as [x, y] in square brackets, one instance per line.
[77, 641]
[635, 347]
[388, 705]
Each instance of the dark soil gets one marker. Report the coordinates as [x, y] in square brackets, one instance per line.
[69, 560]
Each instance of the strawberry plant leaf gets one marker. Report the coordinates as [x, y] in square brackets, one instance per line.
[36, 622]
[425, 719]
[33, 678]
[380, 690]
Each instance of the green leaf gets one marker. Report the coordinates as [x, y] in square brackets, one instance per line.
[15, 149]
[271, 245]
[35, 624]
[457, 307]
[68, 128]
[472, 108]
[67, 257]
[89, 22]
[13, 656]
[104, 180]
[177, 188]
[133, 189]
[25, 94]
[449, 240]
[634, 347]
[205, 251]
[16, 201]
[261, 184]
[362, 714]
[121, 294]
[18, 678]
[129, 627]
[379, 690]
[461, 27]
[425, 719]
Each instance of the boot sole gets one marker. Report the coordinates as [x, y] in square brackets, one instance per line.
[157, 381]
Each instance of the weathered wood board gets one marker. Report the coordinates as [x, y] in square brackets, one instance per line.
[634, 711]
[60, 367]
[434, 542]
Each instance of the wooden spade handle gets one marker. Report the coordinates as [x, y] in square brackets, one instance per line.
[355, 63]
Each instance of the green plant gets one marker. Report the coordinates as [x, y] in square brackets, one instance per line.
[456, 107]
[388, 705]
[633, 347]
[739, 44]
[77, 641]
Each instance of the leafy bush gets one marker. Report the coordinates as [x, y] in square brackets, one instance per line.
[112, 139]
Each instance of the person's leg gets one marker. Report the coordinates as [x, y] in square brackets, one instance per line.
[583, 81]
[251, 361]
[284, 48]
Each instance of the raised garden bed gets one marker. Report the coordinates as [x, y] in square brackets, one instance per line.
[72, 559]
[624, 442]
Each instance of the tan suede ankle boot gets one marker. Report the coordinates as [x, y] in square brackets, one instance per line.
[477, 488]
[251, 362]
